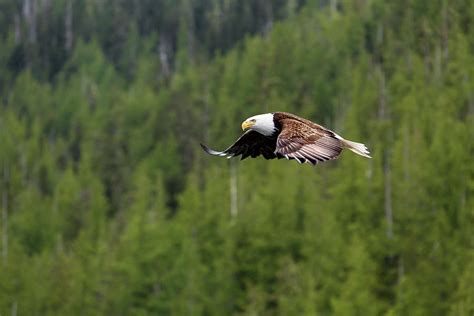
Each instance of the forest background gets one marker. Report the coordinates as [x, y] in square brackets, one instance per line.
[109, 206]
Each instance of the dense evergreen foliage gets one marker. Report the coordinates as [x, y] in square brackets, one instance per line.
[109, 207]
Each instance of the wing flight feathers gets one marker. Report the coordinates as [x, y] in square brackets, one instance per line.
[251, 144]
[306, 143]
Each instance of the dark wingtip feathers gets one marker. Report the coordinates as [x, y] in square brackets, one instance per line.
[208, 150]
[213, 152]
[204, 147]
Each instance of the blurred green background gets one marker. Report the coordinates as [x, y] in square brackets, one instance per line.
[110, 207]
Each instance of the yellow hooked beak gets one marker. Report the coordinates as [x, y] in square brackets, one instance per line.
[247, 125]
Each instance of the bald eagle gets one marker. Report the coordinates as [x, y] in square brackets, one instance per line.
[285, 135]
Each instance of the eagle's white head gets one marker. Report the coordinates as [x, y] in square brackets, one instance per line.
[262, 123]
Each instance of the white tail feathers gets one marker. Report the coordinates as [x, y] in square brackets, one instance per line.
[358, 148]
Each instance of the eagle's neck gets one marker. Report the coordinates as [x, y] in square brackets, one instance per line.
[265, 124]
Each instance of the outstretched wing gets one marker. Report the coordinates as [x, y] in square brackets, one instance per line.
[307, 143]
[251, 143]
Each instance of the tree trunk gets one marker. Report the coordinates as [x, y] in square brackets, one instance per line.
[24, 165]
[268, 11]
[445, 30]
[470, 97]
[190, 30]
[384, 117]
[163, 49]
[68, 27]
[388, 196]
[5, 215]
[17, 29]
[14, 308]
[29, 13]
[333, 5]
[406, 154]
[233, 189]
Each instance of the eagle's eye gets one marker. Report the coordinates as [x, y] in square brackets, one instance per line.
[253, 120]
